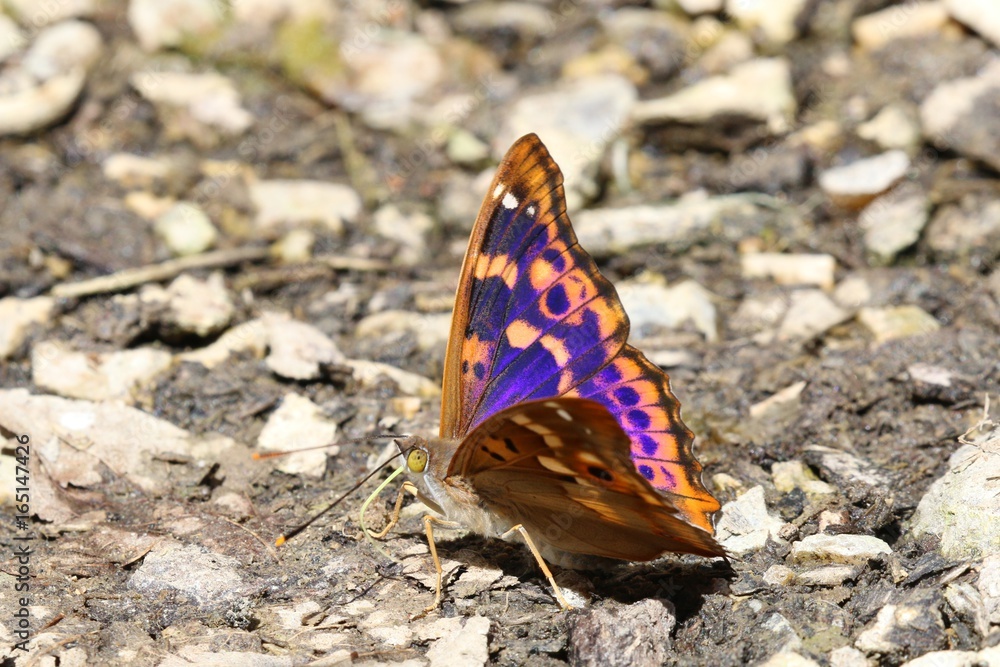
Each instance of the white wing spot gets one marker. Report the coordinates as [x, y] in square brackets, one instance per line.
[509, 201]
[521, 420]
[553, 441]
[565, 415]
[531, 210]
[498, 190]
[540, 429]
[555, 465]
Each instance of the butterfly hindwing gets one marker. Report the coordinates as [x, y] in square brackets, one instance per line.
[534, 318]
[562, 468]
[638, 393]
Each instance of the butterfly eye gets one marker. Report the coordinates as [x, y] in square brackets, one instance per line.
[416, 460]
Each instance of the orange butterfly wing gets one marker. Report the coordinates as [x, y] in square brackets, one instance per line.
[534, 318]
[561, 468]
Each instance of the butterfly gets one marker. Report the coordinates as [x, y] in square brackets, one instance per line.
[553, 429]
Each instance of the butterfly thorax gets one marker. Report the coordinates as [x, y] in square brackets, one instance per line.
[451, 496]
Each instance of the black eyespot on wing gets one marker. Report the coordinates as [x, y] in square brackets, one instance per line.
[510, 445]
[487, 450]
[602, 474]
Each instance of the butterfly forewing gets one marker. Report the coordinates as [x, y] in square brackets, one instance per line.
[534, 319]
[532, 313]
[562, 468]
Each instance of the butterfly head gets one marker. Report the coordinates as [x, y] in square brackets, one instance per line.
[415, 453]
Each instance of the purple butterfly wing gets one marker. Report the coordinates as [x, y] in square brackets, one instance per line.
[534, 318]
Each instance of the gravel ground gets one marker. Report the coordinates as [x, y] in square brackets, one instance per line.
[231, 228]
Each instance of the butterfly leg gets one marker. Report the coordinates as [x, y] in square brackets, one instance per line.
[394, 519]
[541, 563]
[429, 520]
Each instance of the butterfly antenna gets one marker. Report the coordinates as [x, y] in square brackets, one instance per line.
[284, 537]
[260, 456]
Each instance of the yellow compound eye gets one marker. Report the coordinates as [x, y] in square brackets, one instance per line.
[416, 460]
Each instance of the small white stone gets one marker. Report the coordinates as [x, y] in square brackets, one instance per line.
[300, 202]
[785, 269]
[952, 114]
[431, 330]
[968, 603]
[615, 230]
[17, 316]
[929, 374]
[988, 585]
[95, 376]
[756, 315]
[983, 16]
[848, 656]
[775, 20]
[299, 423]
[948, 659]
[965, 228]
[131, 170]
[897, 322]
[298, 349]
[810, 314]
[826, 575]
[913, 19]
[12, 39]
[875, 639]
[849, 466]
[269, 12]
[649, 303]
[892, 127]
[852, 293]
[790, 475]
[296, 246]
[159, 23]
[38, 106]
[863, 179]
[696, 7]
[209, 98]
[465, 646]
[788, 659]
[961, 507]
[408, 230]
[466, 148]
[779, 406]
[779, 575]
[368, 372]
[760, 90]
[893, 222]
[474, 581]
[63, 48]
[186, 229]
[200, 307]
[250, 336]
[207, 579]
[746, 525]
[37, 14]
[778, 631]
[829, 518]
[391, 76]
[844, 549]
[576, 121]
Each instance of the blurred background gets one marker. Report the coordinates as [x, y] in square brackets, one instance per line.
[237, 225]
